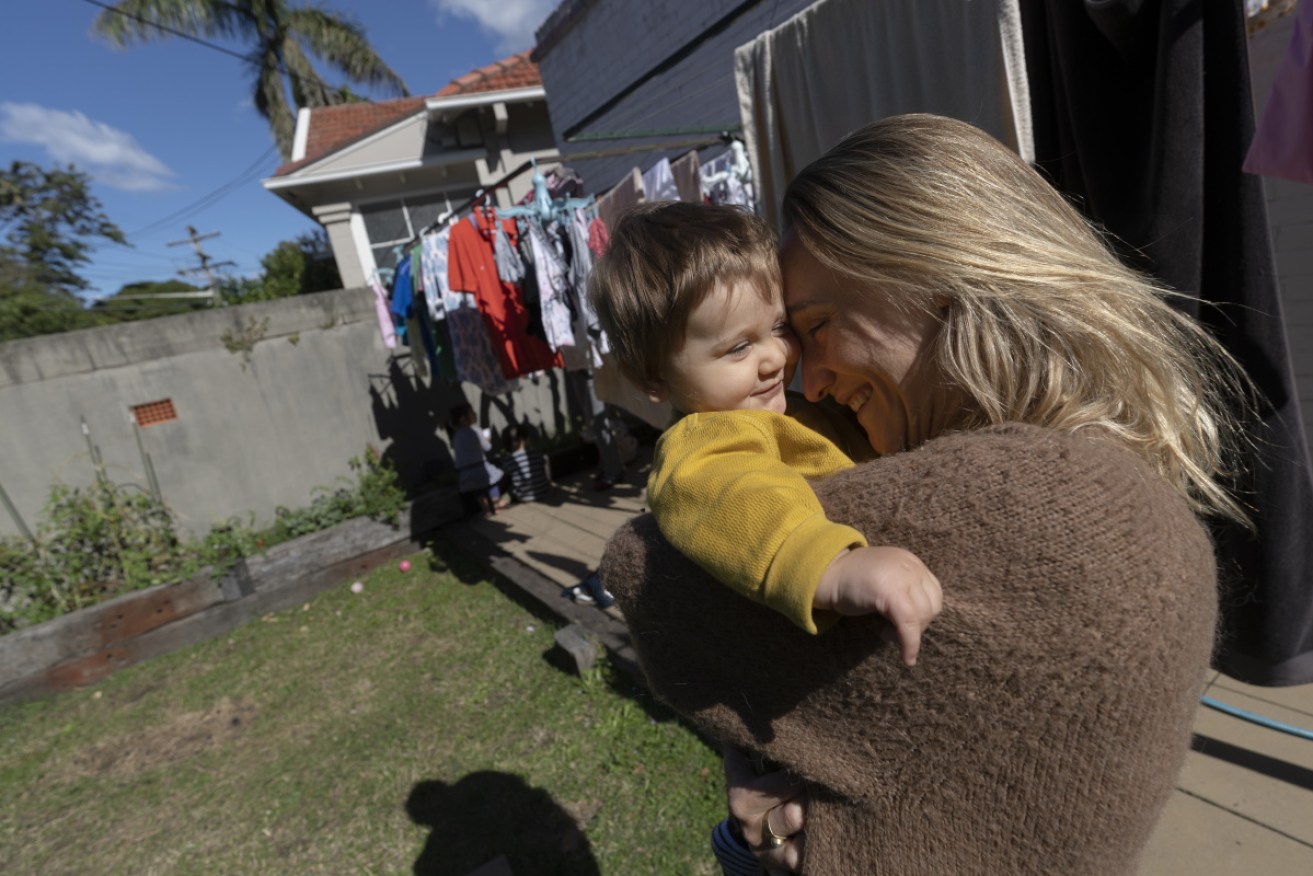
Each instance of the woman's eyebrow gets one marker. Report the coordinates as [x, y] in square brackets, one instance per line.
[802, 305]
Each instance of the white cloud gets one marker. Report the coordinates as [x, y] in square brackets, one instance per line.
[512, 21]
[111, 156]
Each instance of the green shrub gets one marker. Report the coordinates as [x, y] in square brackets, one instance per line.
[97, 542]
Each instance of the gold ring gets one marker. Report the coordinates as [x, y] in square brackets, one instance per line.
[773, 839]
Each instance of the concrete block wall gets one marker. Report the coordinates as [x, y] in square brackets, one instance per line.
[253, 431]
[601, 48]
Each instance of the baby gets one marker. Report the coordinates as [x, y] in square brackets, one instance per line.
[691, 299]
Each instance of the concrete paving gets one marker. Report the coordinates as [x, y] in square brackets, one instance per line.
[1243, 803]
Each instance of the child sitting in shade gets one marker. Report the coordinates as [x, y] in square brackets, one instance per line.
[531, 477]
[691, 298]
[475, 475]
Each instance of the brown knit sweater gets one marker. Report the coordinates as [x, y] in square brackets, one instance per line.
[1045, 722]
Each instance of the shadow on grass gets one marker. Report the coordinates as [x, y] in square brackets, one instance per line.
[490, 813]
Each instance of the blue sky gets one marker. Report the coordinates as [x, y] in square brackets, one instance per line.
[167, 130]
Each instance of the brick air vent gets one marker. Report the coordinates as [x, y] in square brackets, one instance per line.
[154, 413]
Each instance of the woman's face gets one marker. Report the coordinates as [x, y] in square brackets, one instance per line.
[864, 352]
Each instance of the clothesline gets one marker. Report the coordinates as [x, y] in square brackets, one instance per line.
[724, 137]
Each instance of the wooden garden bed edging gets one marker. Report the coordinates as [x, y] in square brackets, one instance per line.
[84, 646]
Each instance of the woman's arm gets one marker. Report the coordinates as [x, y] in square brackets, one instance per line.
[1062, 557]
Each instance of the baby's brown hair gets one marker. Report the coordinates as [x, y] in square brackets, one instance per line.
[663, 259]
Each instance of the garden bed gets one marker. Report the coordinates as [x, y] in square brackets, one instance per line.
[86, 645]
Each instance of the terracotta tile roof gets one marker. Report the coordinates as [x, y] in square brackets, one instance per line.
[517, 71]
[334, 127]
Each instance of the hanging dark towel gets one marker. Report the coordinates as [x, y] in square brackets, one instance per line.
[1142, 114]
[533, 303]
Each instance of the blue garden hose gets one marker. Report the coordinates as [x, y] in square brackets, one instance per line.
[1269, 723]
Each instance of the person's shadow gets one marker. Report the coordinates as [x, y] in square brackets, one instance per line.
[490, 813]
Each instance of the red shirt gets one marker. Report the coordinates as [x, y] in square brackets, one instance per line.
[471, 267]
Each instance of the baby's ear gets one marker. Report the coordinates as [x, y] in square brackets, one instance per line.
[657, 391]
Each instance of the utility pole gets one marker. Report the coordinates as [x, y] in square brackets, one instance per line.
[206, 266]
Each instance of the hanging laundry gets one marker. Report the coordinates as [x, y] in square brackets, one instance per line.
[1199, 224]
[384, 313]
[510, 268]
[840, 64]
[623, 195]
[581, 265]
[724, 179]
[530, 293]
[471, 351]
[688, 177]
[436, 344]
[659, 182]
[409, 328]
[1283, 145]
[564, 183]
[401, 299]
[598, 237]
[553, 288]
[433, 271]
[472, 267]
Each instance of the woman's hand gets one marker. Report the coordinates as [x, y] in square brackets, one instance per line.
[773, 803]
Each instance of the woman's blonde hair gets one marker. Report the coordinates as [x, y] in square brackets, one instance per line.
[1041, 322]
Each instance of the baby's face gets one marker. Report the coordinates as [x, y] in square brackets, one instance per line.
[738, 354]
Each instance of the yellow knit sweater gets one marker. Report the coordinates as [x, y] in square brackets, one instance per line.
[729, 490]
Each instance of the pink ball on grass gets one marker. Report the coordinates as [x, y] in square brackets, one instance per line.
[404, 565]
[357, 587]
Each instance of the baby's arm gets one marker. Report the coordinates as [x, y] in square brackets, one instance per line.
[724, 497]
[888, 581]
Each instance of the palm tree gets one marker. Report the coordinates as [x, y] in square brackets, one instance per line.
[279, 36]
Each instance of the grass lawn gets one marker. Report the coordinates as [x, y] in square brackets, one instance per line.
[415, 727]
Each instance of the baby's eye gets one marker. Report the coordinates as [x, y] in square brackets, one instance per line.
[781, 328]
[739, 349]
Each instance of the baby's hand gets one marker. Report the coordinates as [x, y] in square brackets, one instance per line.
[886, 580]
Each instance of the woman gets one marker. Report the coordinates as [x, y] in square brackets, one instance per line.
[1069, 426]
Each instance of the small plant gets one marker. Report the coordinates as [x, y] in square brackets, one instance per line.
[229, 542]
[93, 543]
[97, 542]
[242, 341]
[376, 493]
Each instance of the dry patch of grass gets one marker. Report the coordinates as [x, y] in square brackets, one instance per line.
[415, 727]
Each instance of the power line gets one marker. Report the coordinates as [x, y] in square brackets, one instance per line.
[205, 201]
[207, 266]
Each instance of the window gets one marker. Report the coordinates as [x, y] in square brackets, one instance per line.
[392, 223]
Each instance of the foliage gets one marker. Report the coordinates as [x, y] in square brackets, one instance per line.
[376, 493]
[294, 267]
[97, 542]
[28, 309]
[277, 35]
[133, 301]
[48, 217]
[242, 340]
[93, 543]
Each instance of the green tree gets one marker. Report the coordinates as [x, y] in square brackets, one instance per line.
[279, 36]
[142, 300]
[294, 267]
[48, 218]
